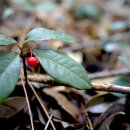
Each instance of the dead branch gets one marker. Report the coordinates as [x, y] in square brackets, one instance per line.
[111, 88]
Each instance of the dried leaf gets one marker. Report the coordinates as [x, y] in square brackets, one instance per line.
[63, 102]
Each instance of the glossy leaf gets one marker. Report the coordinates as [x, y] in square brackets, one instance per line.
[9, 73]
[63, 69]
[46, 34]
[125, 60]
[4, 40]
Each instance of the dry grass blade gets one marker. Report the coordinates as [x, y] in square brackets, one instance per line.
[28, 104]
[89, 123]
[48, 122]
[41, 103]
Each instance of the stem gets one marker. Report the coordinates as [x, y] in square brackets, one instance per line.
[25, 68]
[31, 52]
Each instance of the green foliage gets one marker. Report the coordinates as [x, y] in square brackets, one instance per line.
[4, 40]
[63, 69]
[9, 73]
[45, 34]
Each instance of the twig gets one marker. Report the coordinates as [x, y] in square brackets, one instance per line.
[111, 88]
[48, 122]
[42, 77]
[109, 74]
[28, 104]
[43, 107]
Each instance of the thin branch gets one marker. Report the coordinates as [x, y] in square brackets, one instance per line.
[109, 74]
[43, 107]
[42, 77]
[48, 122]
[111, 88]
[28, 104]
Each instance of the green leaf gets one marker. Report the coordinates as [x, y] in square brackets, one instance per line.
[63, 69]
[9, 73]
[125, 60]
[45, 34]
[4, 40]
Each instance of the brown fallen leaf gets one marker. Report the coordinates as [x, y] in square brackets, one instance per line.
[63, 102]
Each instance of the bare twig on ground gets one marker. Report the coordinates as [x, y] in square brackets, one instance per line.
[42, 77]
[108, 86]
[111, 88]
[109, 74]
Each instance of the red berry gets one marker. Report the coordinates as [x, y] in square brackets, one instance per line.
[32, 61]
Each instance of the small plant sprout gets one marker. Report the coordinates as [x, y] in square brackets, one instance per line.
[59, 66]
